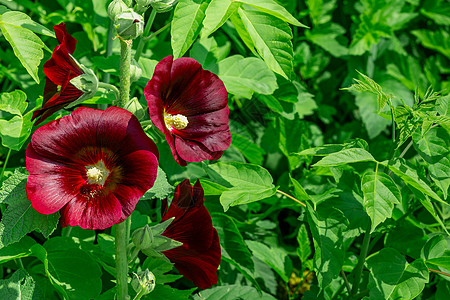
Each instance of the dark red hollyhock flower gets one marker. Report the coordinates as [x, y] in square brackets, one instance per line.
[190, 106]
[92, 165]
[199, 256]
[60, 69]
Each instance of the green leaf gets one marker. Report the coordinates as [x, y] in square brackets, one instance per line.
[332, 148]
[380, 195]
[391, 276]
[244, 76]
[26, 45]
[15, 131]
[187, 18]
[161, 188]
[276, 258]
[272, 39]
[325, 37]
[232, 292]
[411, 178]
[20, 218]
[245, 182]
[19, 286]
[231, 240]
[252, 152]
[437, 10]
[167, 292]
[443, 261]
[433, 147]
[273, 8]
[76, 278]
[304, 245]
[320, 11]
[435, 40]
[17, 250]
[159, 268]
[344, 157]
[327, 226]
[217, 14]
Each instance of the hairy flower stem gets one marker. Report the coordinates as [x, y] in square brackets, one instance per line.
[143, 39]
[362, 259]
[125, 62]
[121, 261]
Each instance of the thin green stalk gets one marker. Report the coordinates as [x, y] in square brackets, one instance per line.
[109, 47]
[347, 284]
[125, 63]
[147, 38]
[5, 163]
[290, 197]
[110, 87]
[121, 261]
[143, 40]
[362, 259]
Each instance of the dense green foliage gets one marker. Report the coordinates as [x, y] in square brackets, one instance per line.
[348, 116]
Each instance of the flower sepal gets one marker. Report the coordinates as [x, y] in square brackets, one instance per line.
[151, 242]
[87, 83]
[115, 8]
[144, 282]
[135, 107]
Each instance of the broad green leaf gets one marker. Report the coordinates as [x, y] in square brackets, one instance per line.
[272, 39]
[410, 177]
[165, 291]
[434, 148]
[407, 238]
[276, 258]
[232, 292]
[159, 268]
[332, 148]
[26, 45]
[231, 240]
[391, 276]
[435, 40]
[217, 14]
[244, 76]
[294, 136]
[271, 102]
[19, 286]
[320, 10]
[327, 226]
[76, 278]
[367, 34]
[325, 37]
[160, 189]
[273, 8]
[17, 250]
[15, 131]
[187, 18]
[443, 261]
[437, 248]
[380, 194]
[299, 190]
[252, 152]
[437, 10]
[304, 245]
[20, 218]
[245, 182]
[344, 157]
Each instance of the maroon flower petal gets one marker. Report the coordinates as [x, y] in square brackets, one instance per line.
[98, 212]
[199, 256]
[199, 267]
[182, 87]
[94, 165]
[64, 38]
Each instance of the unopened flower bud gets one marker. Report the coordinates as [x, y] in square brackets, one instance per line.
[144, 282]
[142, 5]
[135, 71]
[135, 108]
[142, 237]
[163, 5]
[86, 82]
[115, 8]
[129, 25]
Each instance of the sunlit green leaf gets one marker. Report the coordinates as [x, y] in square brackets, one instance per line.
[345, 157]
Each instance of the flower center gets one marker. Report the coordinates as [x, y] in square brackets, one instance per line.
[175, 121]
[97, 174]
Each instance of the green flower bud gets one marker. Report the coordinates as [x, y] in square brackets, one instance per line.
[144, 282]
[115, 8]
[134, 107]
[163, 5]
[135, 71]
[129, 25]
[86, 82]
[142, 5]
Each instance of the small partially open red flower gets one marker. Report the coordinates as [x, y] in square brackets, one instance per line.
[199, 256]
[92, 165]
[60, 69]
[190, 106]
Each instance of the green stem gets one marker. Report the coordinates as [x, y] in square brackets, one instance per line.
[125, 63]
[5, 163]
[157, 32]
[347, 285]
[121, 261]
[110, 87]
[362, 259]
[143, 40]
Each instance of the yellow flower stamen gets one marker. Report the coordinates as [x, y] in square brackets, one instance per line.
[175, 121]
[97, 174]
